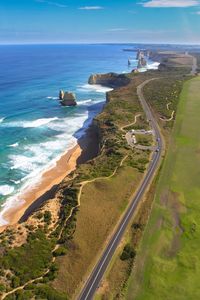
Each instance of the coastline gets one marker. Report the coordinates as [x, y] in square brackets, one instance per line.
[49, 179]
[34, 196]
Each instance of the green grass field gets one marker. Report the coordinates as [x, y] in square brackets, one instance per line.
[168, 263]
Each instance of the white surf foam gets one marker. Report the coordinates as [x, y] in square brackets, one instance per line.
[69, 125]
[1, 120]
[95, 88]
[31, 124]
[38, 158]
[13, 201]
[53, 98]
[21, 162]
[24, 163]
[39, 122]
[150, 66]
[153, 66]
[15, 181]
[6, 190]
[84, 102]
[14, 145]
[35, 173]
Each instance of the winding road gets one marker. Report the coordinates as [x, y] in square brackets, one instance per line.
[95, 277]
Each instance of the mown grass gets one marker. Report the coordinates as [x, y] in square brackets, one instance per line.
[168, 266]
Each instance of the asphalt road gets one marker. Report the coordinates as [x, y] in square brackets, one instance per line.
[95, 277]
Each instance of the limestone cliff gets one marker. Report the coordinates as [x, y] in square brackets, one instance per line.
[112, 80]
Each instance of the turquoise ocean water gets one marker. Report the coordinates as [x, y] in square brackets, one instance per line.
[34, 129]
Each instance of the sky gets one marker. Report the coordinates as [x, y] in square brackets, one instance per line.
[100, 21]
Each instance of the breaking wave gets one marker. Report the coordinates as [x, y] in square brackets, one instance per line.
[97, 88]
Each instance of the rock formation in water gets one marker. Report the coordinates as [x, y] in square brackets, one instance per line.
[61, 95]
[111, 80]
[139, 53]
[67, 98]
[142, 63]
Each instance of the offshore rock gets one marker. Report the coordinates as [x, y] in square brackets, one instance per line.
[67, 98]
[142, 63]
[61, 95]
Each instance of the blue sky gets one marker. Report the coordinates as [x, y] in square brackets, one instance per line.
[86, 21]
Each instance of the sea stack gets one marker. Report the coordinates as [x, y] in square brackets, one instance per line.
[67, 98]
[61, 95]
[138, 54]
[142, 63]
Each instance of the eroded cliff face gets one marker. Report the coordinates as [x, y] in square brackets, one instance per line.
[112, 80]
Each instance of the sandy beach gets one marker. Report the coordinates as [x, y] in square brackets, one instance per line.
[33, 197]
[49, 179]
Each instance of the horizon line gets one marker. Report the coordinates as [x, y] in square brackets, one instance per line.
[99, 43]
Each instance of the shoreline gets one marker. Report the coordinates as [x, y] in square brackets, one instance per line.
[50, 178]
[46, 187]
[34, 196]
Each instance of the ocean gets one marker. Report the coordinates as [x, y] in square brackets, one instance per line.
[35, 129]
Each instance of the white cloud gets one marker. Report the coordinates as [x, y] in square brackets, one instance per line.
[91, 7]
[170, 3]
[52, 3]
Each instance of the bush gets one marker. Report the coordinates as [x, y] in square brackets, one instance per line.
[15, 281]
[52, 272]
[47, 292]
[47, 217]
[2, 288]
[137, 226]
[128, 252]
[29, 260]
[39, 215]
[59, 252]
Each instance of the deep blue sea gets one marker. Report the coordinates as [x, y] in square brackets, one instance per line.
[34, 128]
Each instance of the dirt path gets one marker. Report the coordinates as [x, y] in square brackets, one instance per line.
[168, 104]
[170, 119]
[123, 127]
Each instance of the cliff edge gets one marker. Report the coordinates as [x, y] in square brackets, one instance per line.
[112, 80]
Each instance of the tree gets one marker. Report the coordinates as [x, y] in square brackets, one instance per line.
[128, 252]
